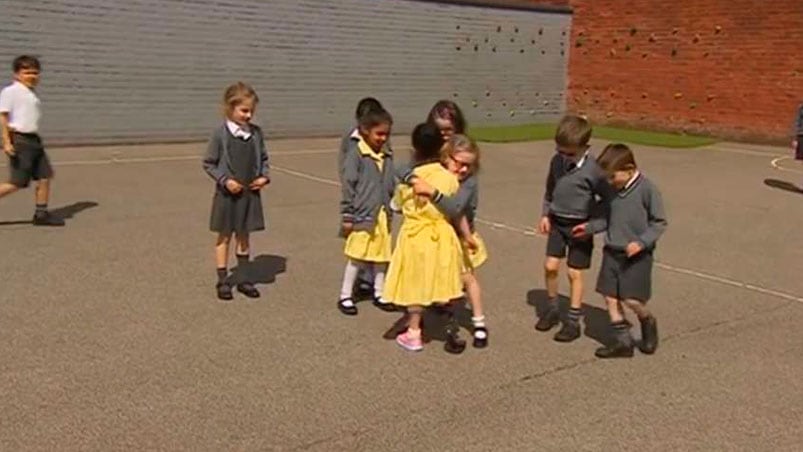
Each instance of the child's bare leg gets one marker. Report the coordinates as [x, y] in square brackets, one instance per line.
[245, 284]
[474, 294]
[551, 315]
[614, 310]
[7, 189]
[622, 347]
[414, 314]
[42, 192]
[571, 326]
[221, 262]
[576, 285]
[551, 268]
[649, 326]
[638, 308]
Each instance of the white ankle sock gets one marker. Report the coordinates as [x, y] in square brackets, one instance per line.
[349, 276]
[379, 281]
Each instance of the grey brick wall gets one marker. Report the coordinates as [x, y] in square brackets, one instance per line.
[154, 70]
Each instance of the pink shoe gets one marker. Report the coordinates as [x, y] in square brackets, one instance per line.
[409, 343]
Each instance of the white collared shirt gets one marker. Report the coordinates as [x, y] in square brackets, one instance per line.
[582, 160]
[632, 180]
[23, 108]
[237, 130]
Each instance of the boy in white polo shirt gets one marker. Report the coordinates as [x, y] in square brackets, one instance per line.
[19, 120]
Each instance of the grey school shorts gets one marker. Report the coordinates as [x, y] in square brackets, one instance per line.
[561, 244]
[625, 278]
[29, 160]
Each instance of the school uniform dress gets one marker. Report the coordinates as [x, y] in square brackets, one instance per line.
[427, 262]
[372, 245]
[24, 111]
[240, 155]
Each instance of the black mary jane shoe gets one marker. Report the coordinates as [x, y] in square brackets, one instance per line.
[347, 309]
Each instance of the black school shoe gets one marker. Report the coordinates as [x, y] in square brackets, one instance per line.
[454, 344]
[248, 290]
[569, 332]
[619, 349]
[549, 320]
[224, 291]
[345, 309]
[363, 291]
[480, 337]
[46, 219]
[649, 335]
[385, 306]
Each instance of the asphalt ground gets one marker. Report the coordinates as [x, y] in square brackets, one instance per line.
[112, 339]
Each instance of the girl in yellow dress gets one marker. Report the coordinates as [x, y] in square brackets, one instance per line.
[461, 157]
[367, 186]
[427, 262]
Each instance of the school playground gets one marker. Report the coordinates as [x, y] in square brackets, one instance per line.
[112, 338]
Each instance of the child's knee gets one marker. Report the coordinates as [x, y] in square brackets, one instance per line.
[223, 239]
[575, 275]
[552, 265]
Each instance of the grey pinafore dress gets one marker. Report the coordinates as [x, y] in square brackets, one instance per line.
[240, 213]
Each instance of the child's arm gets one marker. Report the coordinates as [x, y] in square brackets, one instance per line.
[5, 108]
[212, 158]
[263, 178]
[465, 233]
[450, 205]
[656, 219]
[351, 174]
[544, 225]
[8, 146]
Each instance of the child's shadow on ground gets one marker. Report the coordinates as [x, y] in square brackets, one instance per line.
[595, 320]
[64, 213]
[263, 269]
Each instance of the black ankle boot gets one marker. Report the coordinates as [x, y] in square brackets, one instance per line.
[622, 346]
[549, 320]
[569, 332]
[649, 335]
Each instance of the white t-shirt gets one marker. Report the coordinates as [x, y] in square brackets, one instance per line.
[22, 105]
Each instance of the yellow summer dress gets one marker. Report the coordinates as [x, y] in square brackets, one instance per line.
[427, 262]
[374, 245]
[472, 260]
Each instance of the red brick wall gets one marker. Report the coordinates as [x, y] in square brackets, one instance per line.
[732, 68]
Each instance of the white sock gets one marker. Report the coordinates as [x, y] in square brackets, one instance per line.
[479, 322]
[379, 281]
[349, 276]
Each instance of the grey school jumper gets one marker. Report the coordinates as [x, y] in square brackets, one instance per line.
[635, 214]
[571, 191]
[243, 160]
[464, 202]
[364, 188]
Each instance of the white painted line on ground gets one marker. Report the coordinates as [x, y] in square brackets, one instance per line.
[113, 160]
[531, 232]
[776, 163]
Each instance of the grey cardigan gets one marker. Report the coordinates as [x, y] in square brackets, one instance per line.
[364, 188]
[217, 163]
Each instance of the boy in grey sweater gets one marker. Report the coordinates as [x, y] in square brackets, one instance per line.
[634, 222]
[574, 185]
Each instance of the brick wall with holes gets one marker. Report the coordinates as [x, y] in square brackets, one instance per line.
[731, 68]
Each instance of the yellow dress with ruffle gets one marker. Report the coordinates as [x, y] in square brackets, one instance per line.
[473, 259]
[428, 260]
[374, 245]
